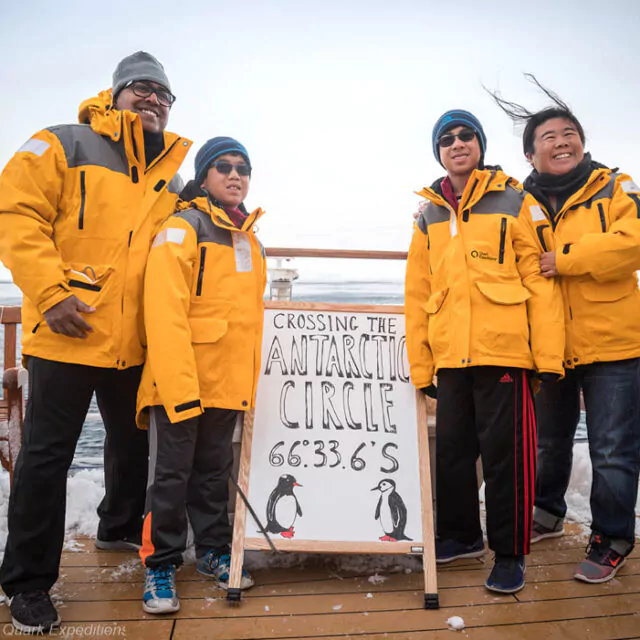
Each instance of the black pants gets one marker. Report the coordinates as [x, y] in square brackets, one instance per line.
[486, 411]
[59, 398]
[189, 467]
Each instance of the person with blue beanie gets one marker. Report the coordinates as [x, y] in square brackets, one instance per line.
[458, 118]
[204, 284]
[481, 316]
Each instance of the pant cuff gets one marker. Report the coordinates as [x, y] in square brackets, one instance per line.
[546, 519]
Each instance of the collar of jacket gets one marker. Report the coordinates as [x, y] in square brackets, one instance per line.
[218, 215]
[480, 182]
[597, 180]
[105, 120]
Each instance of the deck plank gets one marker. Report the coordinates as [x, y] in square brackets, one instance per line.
[609, 628]
[410, 621]
[331, 599]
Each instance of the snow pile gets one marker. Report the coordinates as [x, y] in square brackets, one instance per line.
[85, 490]
[455, 623]
[4, 505]
[377, 579]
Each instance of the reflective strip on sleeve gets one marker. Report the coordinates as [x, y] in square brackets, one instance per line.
[170, 235]
[35, 146]
[536, 213]
[629, 186]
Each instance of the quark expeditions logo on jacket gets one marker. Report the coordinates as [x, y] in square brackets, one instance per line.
[481, 255]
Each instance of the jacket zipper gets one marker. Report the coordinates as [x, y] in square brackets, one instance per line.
[603, 222]
[83, 198]
[203, 253]
[540, 230]
[503, 237]
[162, 155]
[465, 210]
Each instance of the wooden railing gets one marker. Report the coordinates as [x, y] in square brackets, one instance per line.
[13, 382]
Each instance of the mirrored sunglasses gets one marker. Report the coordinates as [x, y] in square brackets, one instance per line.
[226, 168]
[466, 135]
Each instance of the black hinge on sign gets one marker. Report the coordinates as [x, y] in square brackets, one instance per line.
[130, 236]
[134, 174]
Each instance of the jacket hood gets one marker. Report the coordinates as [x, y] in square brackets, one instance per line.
[99, 113]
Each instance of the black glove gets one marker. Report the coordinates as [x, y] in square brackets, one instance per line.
[431, 391]
[548, 378]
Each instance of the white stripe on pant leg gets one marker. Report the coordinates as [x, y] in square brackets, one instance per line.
[153, 445]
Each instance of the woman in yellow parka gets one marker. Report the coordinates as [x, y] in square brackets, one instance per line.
[204, 284]
[594, 213]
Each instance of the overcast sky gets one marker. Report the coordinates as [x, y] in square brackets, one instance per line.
[334, 100]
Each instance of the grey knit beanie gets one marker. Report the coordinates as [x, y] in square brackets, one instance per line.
[138, 66]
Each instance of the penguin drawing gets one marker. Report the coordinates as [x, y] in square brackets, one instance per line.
[283, 507]
[391, 512]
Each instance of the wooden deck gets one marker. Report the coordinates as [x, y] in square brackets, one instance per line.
[100, 596]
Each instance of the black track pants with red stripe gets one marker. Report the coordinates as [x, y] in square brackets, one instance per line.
[486, 411]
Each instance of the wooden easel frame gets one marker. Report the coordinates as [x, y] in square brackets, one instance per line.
[241, 542]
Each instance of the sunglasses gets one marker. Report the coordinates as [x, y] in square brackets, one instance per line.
[144, 90]
[466, 135]
[226, 168]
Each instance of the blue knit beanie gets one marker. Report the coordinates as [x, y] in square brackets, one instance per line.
[451, 120]
[213, 149]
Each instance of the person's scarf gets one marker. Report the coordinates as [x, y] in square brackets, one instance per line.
[544, 185]
[153, 145]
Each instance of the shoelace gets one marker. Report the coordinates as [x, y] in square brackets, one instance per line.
[214, 560]
[162, 579]
[597, 551]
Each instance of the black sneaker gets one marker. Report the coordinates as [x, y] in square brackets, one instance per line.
[126, 543]
[450, 550]
[33, 612]
[602, 561]
[507, 575]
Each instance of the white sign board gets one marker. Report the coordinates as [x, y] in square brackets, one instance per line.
[334, 452]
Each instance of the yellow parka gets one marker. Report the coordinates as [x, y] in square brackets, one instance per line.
[597, 238]
[474, 294]
[203, 313]
[78, 211]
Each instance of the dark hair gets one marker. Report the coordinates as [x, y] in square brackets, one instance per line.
[534, 119]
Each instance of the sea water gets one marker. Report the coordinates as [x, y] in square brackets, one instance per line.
[89, 452]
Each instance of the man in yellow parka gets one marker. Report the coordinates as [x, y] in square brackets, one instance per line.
[79, 206]
[481, 316]
[594, 213]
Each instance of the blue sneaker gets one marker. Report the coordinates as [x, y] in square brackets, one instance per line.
[160, 594]
[507, 575]
[217, 566]
[450, 550]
